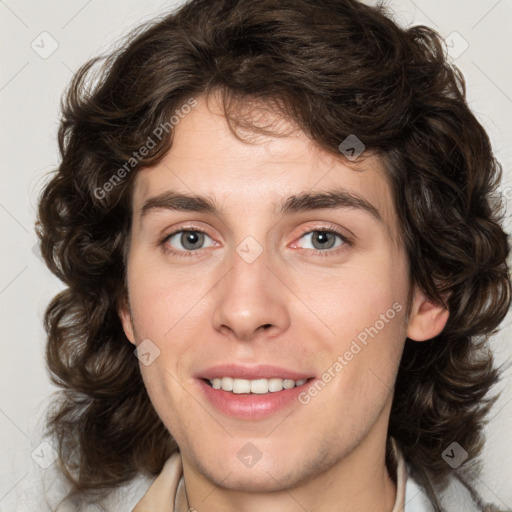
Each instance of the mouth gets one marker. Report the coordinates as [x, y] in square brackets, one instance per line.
[256, 386]
[252, 393]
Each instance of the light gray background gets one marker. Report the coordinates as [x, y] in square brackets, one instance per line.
[30, 91]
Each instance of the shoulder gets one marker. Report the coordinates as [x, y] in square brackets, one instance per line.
[455, 497]
[46, 490]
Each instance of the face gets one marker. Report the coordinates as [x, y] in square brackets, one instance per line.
[268, 289]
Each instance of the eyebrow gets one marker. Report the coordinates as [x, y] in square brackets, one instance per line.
[339, 198]
[303, 202]
[171, 200]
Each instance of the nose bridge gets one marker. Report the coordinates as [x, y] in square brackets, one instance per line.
[250, 298]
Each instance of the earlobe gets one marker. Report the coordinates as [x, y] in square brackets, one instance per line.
[126, 320]
[427, 319]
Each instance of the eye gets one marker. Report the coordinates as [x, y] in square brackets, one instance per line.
[322, 239]
[187, 240]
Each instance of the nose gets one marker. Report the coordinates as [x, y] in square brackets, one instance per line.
[251, 301]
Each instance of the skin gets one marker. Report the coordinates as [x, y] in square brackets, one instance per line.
[210, 308]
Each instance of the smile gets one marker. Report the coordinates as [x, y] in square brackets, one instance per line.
[256, 386]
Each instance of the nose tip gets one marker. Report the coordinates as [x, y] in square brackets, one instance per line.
[249, 302]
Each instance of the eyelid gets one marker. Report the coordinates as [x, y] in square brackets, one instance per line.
[163, 241]
[183, 227]
[174, 233]
[347, 239]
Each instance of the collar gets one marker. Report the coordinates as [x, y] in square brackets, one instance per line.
[167, 492]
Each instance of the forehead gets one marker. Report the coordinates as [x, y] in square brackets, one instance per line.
[258, 172]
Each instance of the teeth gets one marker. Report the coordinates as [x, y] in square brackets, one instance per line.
[288, 384]
[257, 386]
[241, 386]
[275, 385]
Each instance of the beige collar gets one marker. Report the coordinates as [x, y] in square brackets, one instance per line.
[167, 492]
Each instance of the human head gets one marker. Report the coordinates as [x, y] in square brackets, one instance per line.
[390, 87]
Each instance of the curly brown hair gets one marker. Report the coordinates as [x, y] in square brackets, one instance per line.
[333, 68]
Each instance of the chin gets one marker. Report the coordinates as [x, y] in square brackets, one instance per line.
[253, 479]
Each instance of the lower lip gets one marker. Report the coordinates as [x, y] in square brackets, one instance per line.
[252, 406]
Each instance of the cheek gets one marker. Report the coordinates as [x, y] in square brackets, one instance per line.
[168, 309]
[364, 308]
[162, 299]
[358, 296]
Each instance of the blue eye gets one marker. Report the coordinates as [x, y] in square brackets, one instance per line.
[187, 240]
[321, 240]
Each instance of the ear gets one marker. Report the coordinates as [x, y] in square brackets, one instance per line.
[427, 319]
[123, 310]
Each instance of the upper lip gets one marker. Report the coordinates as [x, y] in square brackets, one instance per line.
[251, 372]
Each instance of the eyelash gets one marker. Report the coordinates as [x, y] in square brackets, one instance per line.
[174, 252]
[328, 252]
[316, 252]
